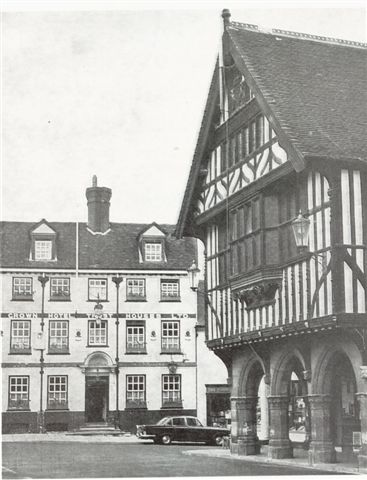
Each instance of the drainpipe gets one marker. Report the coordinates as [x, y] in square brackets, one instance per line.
[117, 280]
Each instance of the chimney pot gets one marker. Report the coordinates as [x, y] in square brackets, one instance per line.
[226, 15]
[94, 181]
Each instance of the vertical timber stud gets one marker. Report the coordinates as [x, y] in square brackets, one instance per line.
[336, 224]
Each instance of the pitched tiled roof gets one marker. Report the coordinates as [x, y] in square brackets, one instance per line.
[118, 249]
[315, 88]
[15, 245]
[312, 88]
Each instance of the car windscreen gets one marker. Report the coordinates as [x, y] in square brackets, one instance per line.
[164, 421]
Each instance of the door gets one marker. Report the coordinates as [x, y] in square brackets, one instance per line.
[96, 399]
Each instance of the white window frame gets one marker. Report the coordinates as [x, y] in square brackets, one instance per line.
[97, 332]
[99, 286]
[171, 388]
[18, 392]
[58, 336]
[135, 389]
[170, 289]
[170, 336]
[135, 338]
[21, 333]
[60, 288]
[153, 251]
[43, 250]
[57, 392]
[135, 288]
[22, 287]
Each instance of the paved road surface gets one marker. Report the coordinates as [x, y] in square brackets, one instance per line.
[75, 460]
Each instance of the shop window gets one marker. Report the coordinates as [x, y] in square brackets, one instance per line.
[135, 391]
[18, 393]
[22, 288]
[57, 394]
[170, 337]
[97, 289]
[20, 338]
[170, 290]
[60, 289]
[135, 289]
[58, 336]
[171, 391]
[97, 332]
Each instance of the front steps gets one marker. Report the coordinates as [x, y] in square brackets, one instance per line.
[100, 428]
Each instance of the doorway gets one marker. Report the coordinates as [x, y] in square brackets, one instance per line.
[96, 399]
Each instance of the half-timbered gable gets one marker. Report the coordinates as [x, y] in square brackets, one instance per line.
[288, 143]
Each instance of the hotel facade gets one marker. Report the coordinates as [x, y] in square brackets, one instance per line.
[99, 323]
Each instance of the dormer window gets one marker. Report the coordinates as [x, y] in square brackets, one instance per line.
[152, 244]
[43, 246]
[153, 252]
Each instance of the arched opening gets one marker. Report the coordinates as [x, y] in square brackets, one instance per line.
[334, 408]
[97, 368]
[344, 411]
[288, 407]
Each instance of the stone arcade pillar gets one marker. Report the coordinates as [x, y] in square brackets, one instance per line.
[279, 443]
[244, 434]
[321, 448]
[362, 398]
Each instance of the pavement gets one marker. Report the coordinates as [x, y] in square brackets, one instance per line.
[300, 456]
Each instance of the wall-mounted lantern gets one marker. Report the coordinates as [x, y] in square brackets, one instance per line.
[193, 272]
[301, 229]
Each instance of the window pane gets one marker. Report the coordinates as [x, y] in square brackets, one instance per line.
[20, 335]
[98, 332]
[136, 288]
[169, 288]
[153, 252]
[43, 250]
[22, 287]
[60, 287]
[97, 289]
[59, 335]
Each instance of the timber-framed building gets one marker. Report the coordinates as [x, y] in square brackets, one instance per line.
[283, 132]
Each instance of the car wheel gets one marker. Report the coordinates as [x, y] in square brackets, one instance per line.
[218, 440]
[166, 439]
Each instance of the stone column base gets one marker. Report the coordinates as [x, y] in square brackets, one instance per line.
[248, 446]
[362, 463]
[321, 452]
[280, 449]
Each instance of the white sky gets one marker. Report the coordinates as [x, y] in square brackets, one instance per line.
[118, 90]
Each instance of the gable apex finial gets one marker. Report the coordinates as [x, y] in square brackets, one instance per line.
[226, 15]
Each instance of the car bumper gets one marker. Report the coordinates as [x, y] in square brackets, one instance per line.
[144, 436]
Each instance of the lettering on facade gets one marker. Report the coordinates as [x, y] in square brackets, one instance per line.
[22, 316]
[100, 316]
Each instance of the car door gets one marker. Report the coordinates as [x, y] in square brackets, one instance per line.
[179, 428]
[195, 431]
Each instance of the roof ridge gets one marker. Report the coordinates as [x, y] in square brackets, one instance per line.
[302, 36]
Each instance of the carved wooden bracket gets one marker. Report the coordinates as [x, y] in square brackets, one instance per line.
[259, 295]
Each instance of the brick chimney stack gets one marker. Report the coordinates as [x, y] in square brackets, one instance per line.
[98, 207]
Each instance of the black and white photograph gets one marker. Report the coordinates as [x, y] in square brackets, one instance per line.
[183, 238]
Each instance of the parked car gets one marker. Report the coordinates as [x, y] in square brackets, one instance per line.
[181, 429]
